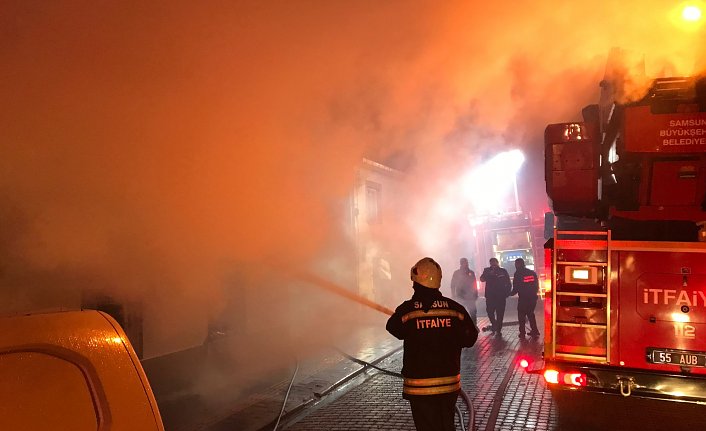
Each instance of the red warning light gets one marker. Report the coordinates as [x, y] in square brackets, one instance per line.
[575, 379]
[569, 379]
[524, 363]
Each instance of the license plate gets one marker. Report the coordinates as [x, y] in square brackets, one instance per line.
[683, 358]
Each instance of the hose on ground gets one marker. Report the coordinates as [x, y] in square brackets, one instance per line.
[464, 395]
[367, 364]
[471, 412]
[460, 418]
[286, 396]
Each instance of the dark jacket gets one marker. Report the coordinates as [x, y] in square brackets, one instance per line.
[525, 283]
[497, 283]
[434, 329]
[463, 284]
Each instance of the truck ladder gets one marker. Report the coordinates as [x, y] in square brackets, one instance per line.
[581, 306]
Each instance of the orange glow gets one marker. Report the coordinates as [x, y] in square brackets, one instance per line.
[168, 151]
[574, 132]
[547, 285]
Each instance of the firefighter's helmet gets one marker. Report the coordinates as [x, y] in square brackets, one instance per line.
[427, 273]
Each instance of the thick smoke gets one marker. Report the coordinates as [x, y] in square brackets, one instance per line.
[162, 150]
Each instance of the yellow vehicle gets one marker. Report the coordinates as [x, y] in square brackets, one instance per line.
[72, 370]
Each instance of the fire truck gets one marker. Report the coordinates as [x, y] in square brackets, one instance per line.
[626, 311]
[507, 237]
[510, 237]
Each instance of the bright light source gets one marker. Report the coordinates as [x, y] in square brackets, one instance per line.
[579, 274]
[524, 363]
[551, 376]
[489, 187]
[691, 13]
[687, 16]
[569, 379]
[680, 317]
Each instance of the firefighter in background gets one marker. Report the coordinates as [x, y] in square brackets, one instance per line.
[464, 288]
[525, 283]
[434, 329]
[497, 289]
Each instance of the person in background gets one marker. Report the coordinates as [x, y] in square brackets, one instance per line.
[525, 284]
[497, 289]
[435, 329]
[464, 288]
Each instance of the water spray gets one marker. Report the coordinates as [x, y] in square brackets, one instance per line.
[341, 291]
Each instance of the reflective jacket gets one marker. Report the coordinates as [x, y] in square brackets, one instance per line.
[525, 284]
[434, 329]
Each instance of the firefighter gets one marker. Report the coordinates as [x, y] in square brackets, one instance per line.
[434, 329]
[464, 289]
[497, 289]
[525, 284]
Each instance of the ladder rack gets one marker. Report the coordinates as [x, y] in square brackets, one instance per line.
[581, 298]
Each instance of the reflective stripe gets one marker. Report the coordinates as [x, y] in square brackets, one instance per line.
[433, 381]
[433, 390]
[432, 313]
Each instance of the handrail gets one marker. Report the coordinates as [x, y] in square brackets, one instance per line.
[586, 294]
[594, 240]
[582, 263]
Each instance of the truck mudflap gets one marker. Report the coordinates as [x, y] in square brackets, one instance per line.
[631, 383]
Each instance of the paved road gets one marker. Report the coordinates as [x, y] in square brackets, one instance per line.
[504, 397]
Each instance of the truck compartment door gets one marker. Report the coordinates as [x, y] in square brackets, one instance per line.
[662, 307]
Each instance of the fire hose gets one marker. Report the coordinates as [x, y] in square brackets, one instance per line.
[464, 395]
[340, 291]
[286, 396]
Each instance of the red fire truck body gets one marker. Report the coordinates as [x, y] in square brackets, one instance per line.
[627, 308]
